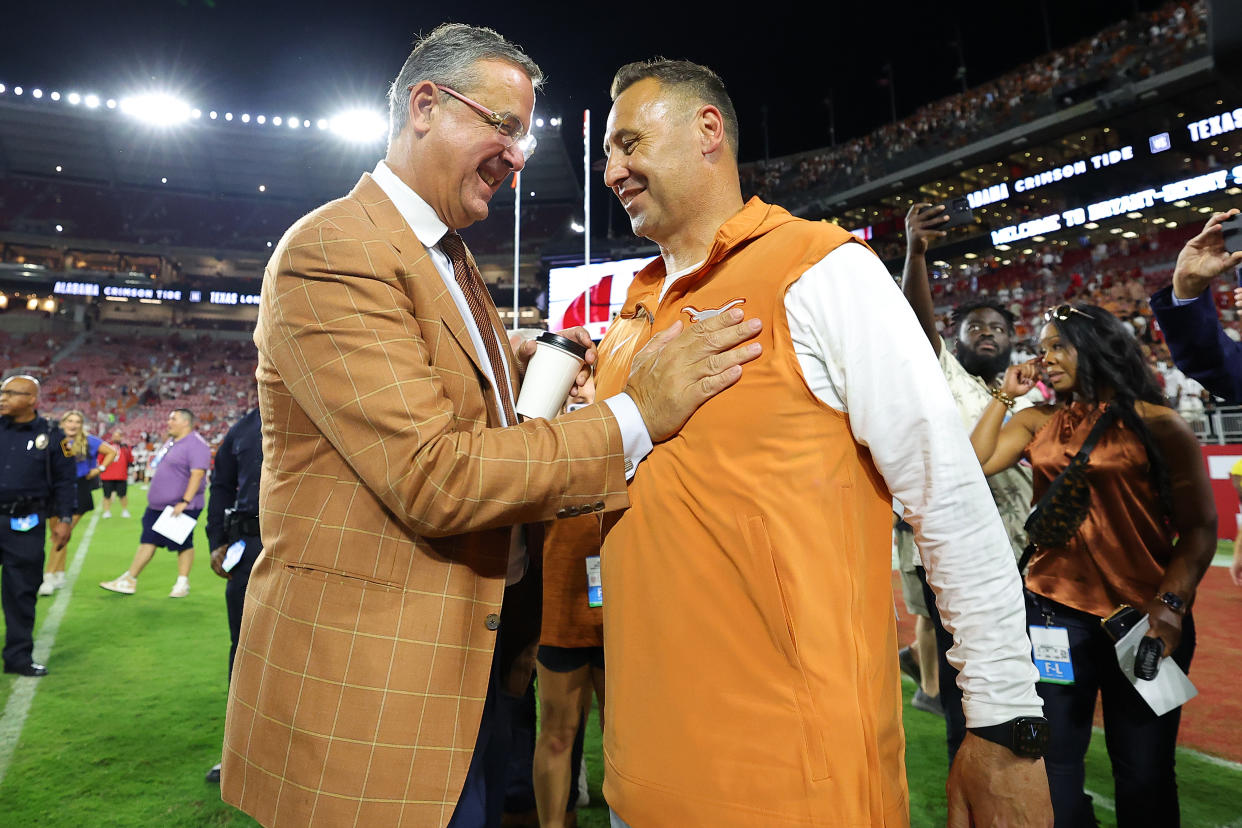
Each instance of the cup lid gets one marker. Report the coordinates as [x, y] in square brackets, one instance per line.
[568, 345]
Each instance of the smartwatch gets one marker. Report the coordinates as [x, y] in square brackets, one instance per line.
[1026, 736]
[1173, 601]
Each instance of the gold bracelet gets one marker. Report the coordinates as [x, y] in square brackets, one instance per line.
[1002, 396]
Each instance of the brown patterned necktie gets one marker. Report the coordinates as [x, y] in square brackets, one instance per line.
[471, 285]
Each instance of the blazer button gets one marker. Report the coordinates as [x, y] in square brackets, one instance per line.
[599, 505]
[492, 622]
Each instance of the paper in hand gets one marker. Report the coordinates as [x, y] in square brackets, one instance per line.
[173, 526]
[1169, 689]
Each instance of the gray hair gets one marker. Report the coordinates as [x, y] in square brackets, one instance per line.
[449, 56]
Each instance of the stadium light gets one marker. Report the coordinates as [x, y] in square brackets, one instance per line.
[55, 96]
[245, 117]
[196, 113]
[59, 168]
[156, 109]
[262, 119]
[91, 101]
[32, 303]
[2, 88]
[75, 98]
[36, 93]
[276, 120]
[49, 304]
[111, 103]
[213, 114]
[576, 227]
[322, 123]
[360, 126]
[539, 122]
[17, 90]
[4, 301]
[263, 188]
[60, 228]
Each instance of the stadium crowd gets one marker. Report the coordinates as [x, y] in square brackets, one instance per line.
[1125, 52]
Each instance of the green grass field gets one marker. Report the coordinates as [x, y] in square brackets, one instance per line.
[131, 717]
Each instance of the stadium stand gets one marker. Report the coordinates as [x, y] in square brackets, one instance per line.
[1124, 52]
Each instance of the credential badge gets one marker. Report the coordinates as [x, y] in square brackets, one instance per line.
[41, 442]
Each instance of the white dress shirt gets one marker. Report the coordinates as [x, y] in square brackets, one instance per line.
[863, 352]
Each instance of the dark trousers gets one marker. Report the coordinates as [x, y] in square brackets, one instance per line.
[1140, 743]
[482, 801]
[950, 693]
[21, 572]
[235, 592]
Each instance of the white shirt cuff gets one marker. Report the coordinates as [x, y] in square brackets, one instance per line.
[1179, 301]
[635, 440]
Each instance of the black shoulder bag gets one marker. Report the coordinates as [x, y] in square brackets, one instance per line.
[1063, 507]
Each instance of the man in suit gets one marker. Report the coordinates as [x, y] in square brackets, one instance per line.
[1187, 316]
[368, 683]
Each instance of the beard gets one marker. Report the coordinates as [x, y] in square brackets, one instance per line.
[986, 368]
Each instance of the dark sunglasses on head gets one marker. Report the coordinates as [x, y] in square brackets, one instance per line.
[1063, 312]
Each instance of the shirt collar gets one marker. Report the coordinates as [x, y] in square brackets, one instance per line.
[417, 213]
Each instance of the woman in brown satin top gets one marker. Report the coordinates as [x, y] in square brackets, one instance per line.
[1148, 538]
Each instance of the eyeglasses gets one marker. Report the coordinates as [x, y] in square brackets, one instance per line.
[1063, 312]
[506, 123]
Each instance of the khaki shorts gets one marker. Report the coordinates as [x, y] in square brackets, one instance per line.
[911, 586]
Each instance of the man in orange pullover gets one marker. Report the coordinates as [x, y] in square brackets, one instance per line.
[748, 619]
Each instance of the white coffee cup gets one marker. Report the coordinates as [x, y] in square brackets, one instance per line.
[549, 376]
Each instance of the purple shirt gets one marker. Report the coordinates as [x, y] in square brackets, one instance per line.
[172, 474]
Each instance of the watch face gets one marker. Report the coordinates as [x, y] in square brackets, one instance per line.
[1030, 737]
[1172, 601]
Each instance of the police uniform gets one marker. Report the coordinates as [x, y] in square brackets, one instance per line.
[37, 478]
[233, 510]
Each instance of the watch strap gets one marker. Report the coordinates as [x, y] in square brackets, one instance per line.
[1026, 736]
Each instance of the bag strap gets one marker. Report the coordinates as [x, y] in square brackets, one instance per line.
[1093, 437]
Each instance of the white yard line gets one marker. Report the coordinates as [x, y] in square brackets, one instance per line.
[18, 708]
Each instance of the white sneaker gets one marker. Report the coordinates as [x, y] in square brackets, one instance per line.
[49, 584]
[58, 580]
[106, 515]
[180, 589]
[125, 584]
[125, 513]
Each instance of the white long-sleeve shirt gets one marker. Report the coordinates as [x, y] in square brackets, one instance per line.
[862, 352]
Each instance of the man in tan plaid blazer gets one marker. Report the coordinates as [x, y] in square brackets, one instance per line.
[365, 690]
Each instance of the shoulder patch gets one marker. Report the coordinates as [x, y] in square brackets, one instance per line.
[66, 446]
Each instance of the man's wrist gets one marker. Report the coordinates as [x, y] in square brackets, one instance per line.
[1026, 736]
[1183, 292]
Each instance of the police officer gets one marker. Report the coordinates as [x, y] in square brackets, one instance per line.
[233, 518]
[37, 478]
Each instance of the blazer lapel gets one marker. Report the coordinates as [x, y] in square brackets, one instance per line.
[420, 267]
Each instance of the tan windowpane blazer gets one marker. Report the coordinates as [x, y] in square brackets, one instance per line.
[386, 500]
